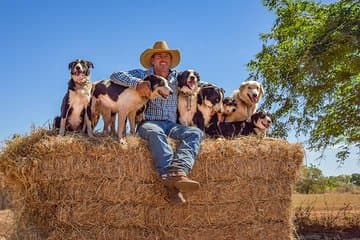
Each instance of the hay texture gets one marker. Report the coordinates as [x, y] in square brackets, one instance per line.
[4, 198]
[75, 188]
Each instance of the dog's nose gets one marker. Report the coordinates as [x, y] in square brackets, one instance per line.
[77, 68]
[192, 78]
[171, 92]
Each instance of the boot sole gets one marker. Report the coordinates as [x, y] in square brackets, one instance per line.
[187, 186]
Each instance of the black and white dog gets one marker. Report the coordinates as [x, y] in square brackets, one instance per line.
[209, 102]
[259, 124]
[188, 88]
[113, 98]
[75, 110]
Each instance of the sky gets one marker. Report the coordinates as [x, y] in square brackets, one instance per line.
[39, 39]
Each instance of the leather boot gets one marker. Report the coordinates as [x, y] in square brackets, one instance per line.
[174, 196]
[179, 180]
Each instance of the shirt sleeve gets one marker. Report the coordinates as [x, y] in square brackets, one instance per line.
[129, 79]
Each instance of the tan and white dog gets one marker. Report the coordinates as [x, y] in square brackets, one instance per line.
[188, 88]
[246, 97]
[113, 98]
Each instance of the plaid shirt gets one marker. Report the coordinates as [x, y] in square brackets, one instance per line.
[158, 108]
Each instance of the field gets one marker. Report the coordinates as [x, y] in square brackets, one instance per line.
[327, 216]
[317, 216]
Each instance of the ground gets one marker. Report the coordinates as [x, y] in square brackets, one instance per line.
[334, 216]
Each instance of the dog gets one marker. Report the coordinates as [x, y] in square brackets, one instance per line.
[230, 106]
[96, 111]
[209, 102]
[259, 124]
[75, 110]
[188, 87]
[112, 98]
[246, 97]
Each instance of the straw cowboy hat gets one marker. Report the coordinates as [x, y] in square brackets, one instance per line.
[159, 47]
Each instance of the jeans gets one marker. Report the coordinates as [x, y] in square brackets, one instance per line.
[156, 132]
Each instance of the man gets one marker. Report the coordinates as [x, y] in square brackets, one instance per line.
[160, 122]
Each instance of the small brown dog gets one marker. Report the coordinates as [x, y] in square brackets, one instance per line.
[246, 97]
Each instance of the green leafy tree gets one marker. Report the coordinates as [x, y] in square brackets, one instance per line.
[310, 68]
[311, 181]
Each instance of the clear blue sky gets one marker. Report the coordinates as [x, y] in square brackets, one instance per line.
[39, 38]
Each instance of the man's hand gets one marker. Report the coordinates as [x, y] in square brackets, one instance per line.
[144, 88]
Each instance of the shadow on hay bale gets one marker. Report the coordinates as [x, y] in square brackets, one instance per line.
[76, 188]
[4, 196]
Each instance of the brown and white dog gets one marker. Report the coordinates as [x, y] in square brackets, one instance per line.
[259, 124]
[188, 88]
[113, 98]
[209, 102]
[246, 97]
[75, 111]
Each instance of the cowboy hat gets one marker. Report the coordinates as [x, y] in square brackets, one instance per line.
[159, 47]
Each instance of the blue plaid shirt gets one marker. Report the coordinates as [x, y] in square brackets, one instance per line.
[158, 108]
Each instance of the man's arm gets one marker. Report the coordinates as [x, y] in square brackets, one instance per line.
[129, 79]
[133, 79]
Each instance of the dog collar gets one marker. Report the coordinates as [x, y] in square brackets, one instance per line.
[188, 99]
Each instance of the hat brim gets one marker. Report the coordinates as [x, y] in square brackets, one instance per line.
[145, 57]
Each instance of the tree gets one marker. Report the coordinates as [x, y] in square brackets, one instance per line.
[310, 69]
[355, 179]
[311, 181]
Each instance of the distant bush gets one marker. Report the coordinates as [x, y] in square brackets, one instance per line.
[313, 181]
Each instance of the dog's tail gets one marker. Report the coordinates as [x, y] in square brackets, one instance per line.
[56, 123]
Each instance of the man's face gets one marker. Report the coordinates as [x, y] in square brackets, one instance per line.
[161, 61]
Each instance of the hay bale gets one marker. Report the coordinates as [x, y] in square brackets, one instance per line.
[76, 188]
[4, 196]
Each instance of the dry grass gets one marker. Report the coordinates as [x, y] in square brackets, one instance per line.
[7, 222]
[328, 201]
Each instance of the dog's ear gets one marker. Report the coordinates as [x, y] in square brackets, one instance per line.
[150, 79]
[261, 90]
[243, 85]
[223, 91]
[255, 116]
[71, 65]
[199, 98]
[89, 64]
[197, 76]
[180, 76]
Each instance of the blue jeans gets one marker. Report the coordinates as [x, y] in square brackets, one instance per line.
[156, 132]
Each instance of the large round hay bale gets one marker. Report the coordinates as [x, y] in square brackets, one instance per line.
[4, 197]
[78, 188]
